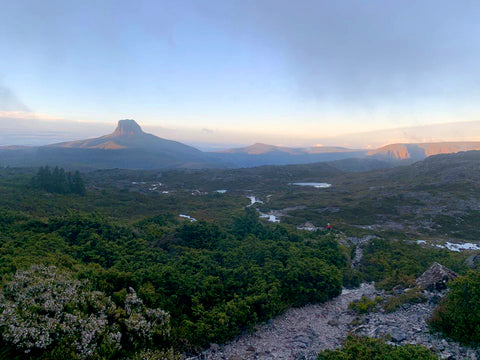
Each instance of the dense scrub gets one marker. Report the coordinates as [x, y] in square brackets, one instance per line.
[215, 278]
[362, 348]
[213, 281]
[46, 313]
[458, 314]
[391, 263]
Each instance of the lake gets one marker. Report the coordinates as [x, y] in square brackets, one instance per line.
[317, 185]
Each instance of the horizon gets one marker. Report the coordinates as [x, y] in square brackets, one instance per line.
[410, 135]
[230, 74]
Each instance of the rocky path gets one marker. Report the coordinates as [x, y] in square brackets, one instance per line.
[301, 333]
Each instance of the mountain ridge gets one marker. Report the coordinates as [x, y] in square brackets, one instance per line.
[420, 151]
[262, 148]
[129, 147]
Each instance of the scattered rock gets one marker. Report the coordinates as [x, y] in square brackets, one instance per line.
[235, 357]
[333, 322]
[397, 335]
[397, 290]
[301, 333]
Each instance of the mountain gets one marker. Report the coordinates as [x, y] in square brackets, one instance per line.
[431, 133]
[128, 147]
[264, 154]
[129, 135]
[421, 151]
[259, 148]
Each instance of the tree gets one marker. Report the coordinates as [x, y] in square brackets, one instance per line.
[77, 185]
[58, 181]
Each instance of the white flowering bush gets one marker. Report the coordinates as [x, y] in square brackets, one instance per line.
[43, 307]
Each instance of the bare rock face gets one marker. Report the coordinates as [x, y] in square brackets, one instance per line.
[436, 277]
[128, 127]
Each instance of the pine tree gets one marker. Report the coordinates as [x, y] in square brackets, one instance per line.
[58, 181]
[78, 186]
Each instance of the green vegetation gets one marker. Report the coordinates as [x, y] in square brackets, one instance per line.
[364, 305]
[213, 280]
[412, 296]
[46, 313]
[224, 273]
[364, 348]
[391, 263]
[58, 181]
[458, 314]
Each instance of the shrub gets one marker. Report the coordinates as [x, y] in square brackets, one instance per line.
[46, 310]
[364, 305]
[391, 263]
[413, 296]
[364, 348]
[458, 314]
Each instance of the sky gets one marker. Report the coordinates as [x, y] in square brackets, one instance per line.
[230, 72]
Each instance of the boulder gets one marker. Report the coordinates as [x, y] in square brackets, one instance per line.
[436, 277]
[472, 261]
[397, 290]
[397, 335]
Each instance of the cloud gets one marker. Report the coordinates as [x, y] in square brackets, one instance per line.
[9, 101]
[27, 115]
[364, 51]
[208, 131]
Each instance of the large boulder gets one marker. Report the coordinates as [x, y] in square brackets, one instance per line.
[436, 277]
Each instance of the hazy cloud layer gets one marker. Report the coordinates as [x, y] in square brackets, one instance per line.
[365, 51]
[277, 71]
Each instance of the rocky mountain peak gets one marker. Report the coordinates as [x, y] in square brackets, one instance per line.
[128, 127]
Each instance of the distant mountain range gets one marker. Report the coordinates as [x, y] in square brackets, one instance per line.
[129, 147]
[263, 154]
[421, 151]
[260, 149]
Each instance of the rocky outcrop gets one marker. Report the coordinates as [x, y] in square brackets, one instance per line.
[436, 277]
[472, 261]
[409, 325]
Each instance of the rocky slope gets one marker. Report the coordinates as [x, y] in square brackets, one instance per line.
[301, 333]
